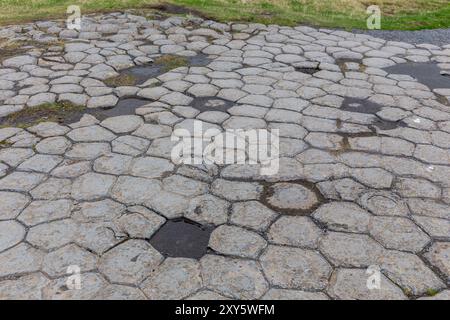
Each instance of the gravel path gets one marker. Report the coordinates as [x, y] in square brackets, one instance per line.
[438, 37]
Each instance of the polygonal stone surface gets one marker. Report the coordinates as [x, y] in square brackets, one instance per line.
[11, 233]
[175, 278]
[237, 278]
[252, 214]
[349, 284]
[439, 256]
[208, 209]
[21, 259]
[294, 268]
[130, 262]
[291, 197]
[56, 263]
[409, 273]
[11, 204]
[287, 294]
[236, 191]
[350, 250]
[294, 231]
[398, 233]
[44, 211]
[343, 216]
[92, 186]
[236, 241]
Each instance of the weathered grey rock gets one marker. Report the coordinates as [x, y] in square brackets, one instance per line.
[92, 186]
[235, 241]
[11, 204]
[351, 284]
[409, 272]
[287, 294]
[237, 278]
[19, 260]
[236, 191]
[122, 124]
[295, 268]
[208, 209]
[343, 216]
[294, 231]
[252, 214]
[130, 262]
[56, 263]
[175, 278]
[398, 233]
[439, 256]
[350, 250]
[290, 196]
[45, 211]
[11, 233]
[131, 190]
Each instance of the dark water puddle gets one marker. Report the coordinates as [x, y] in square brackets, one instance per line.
[368, 107]
[123, 107]
[211, 104]
[307, 70]
[165, 64]
[428, 74]
[360, 106]
[182, 238]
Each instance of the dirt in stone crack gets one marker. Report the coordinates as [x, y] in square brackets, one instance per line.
[211, 104]
[182, 238]
[428, 74]
[161, 65]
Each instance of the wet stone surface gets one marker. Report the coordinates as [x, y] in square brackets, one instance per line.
[182, 238]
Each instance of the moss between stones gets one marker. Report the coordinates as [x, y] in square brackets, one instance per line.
[169, 62]
[61, 112]
[9, 49]
[121, 80]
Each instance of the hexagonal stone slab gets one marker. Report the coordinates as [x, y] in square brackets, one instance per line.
[56, 263]
[92, 284]
[350, 250]
[383, 203]
[439, 256]
[130, 262]
[294, 231]
[291, 197]
[28, 287]
[151, 167]
[92, 186]
[252, 214]
[295, 268]
[53, 234]
[122, 124]
[208, 209]
[237, 278]
[349, 284]
[236, 190]
[11, 204]
[230, 240]
[44, 211]
[131, 190]
[174, 279]
[398, 233]
[409, 272]
[21, 259]
[287, 294]
[343, 216]
[11, 233]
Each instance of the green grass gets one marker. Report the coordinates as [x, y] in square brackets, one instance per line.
[55, 112]
[348, 14]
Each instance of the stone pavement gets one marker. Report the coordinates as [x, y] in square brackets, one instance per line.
[364, 175]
